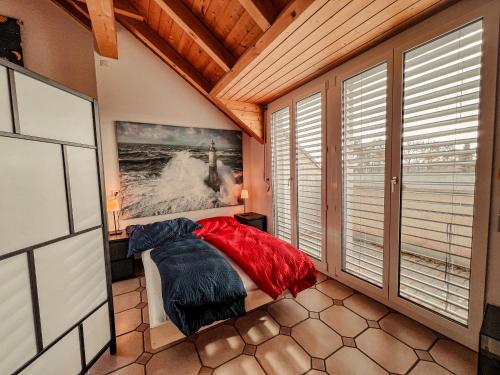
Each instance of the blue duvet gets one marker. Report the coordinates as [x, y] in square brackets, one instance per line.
[199, 286]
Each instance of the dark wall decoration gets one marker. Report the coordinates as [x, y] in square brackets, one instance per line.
[166, 169]
[10, 40]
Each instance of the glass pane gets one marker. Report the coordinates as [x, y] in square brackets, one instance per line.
[308, 163]
[439, 144]
[364, 98]
[280, 158]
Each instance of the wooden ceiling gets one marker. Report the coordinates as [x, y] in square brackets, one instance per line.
[242, 54]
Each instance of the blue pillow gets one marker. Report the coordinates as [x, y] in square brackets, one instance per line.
[149, 236]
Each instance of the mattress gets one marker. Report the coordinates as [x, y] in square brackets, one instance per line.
[157, 314]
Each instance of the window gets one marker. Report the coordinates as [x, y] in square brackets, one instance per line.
[297, 172]
[309, 174]
[364, 99]
[439, 152]
[280, 159]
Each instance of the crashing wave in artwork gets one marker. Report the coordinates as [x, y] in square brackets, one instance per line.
[166, 169]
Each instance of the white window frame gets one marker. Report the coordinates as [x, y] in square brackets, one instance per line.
[291, 101]
[350, 69]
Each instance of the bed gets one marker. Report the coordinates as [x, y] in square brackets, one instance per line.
[163, 331]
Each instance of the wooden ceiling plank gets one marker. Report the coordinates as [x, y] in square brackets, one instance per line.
[262, 12]
[392, 26]
[332, 15]
[297, 10]
[339, 34]
[202, 36]
[124, 8]
[102, 17]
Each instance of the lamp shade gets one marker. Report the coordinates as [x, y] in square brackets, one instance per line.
[113, 205]
[244, 194]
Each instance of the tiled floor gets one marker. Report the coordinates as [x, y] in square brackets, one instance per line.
[328, 329]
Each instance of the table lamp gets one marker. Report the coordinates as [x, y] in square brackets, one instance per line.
[244, 196]
[113, 205]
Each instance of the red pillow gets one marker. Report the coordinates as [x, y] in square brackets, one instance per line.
[215, 224]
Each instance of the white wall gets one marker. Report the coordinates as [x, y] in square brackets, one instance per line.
[54, 44]
[139, 87]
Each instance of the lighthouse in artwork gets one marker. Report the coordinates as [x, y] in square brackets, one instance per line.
[213, 176]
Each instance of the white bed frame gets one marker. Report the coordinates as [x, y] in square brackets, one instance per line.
[167, 333]
[162, 331]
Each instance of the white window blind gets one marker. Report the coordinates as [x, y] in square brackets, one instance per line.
[364, 98]
[308, 139]
[439, 149]
[280, 159]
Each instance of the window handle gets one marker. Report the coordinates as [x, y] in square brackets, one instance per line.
[394, 182]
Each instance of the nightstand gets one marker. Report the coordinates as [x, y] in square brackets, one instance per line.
[121, 266]
[253, 219]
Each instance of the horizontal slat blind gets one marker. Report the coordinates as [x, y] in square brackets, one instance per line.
[364, 98]
[280, 151]
[308, 138]
[440, 123]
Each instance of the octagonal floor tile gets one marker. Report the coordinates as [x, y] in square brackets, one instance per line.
[242, 365]
[287, 312]
[219, 345]
[321, 277]
[409, 331]
[343, 321]
[316, 338]
[133, 369]
[350, 361]
[334, 289]
[125, 286]
[128, 349]
[428, 368]
[382, 347]
[180, 359]
[455, 357]
[126, 301]
[366, 307]
[127, 321]
[314, 300]
[282, 355]
[257, 327]
[145, 314]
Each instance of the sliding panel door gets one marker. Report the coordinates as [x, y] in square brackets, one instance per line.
[281, 178]
[309, 174]
[54, 283]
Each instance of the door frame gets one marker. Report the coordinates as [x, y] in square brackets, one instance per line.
[350, 69]
[290, 101]
[456, 17]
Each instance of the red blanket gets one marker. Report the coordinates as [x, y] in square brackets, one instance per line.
[273, 264]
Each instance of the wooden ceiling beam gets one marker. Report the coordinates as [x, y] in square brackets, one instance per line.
[276, 32]
[202, 36]
[124, 8]
[75, 11]
[261, 11]
[102, 17]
